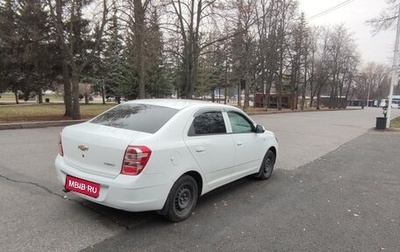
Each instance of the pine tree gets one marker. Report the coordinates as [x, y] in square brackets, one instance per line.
[157, 85]
[26, 49]
[114, 61]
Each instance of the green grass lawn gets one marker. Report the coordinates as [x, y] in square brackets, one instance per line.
[46, 112]
[395, 123]
[10, 97]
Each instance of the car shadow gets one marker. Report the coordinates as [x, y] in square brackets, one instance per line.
[221, 199]
[233, 200]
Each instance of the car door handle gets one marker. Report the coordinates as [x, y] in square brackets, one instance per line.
[200, 149]
[239, 143]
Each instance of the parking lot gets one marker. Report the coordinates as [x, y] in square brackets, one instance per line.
[335, 188]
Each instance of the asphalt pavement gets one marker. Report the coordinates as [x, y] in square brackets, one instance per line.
[347, 200]
[335, 188]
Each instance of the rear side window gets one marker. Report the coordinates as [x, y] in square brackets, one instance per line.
[138, 117]
[208, 123]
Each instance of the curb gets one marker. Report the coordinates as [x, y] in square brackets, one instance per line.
[393, 129]
[46, 124]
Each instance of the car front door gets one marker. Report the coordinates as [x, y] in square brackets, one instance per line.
[211, 146]
[249, 146]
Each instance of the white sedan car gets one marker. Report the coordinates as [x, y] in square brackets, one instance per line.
[162, 154]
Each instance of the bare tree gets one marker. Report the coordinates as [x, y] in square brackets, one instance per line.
[263, 30]
[386, 19]
[298, 53]
[192, 19]
[244, 48]
[322, 67]
[373, 82]
[310, 65]
[344, 60]
[284, 13]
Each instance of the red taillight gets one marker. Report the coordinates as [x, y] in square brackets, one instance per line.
[60, 148]
[136, 158]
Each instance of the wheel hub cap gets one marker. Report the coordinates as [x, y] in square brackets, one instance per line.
[184, 197]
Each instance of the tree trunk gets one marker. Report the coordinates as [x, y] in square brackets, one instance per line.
[246, 103]
[303, 91]
[319, 97]
[76, 115]
[279, 89]
[57, 17]
[239, 91]
[280, 81]
[103, 94]
[16, 97]
[139, 12]
[225, 96]
[39, 95]
[67, 85]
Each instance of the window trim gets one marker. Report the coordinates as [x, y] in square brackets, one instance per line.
[191, 132]
[243, 115]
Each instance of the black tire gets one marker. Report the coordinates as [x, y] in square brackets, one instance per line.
[182, 199]
[267, 166]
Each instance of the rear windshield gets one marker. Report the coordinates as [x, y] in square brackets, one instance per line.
[138, 117]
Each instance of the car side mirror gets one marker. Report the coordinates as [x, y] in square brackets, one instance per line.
[260, 129]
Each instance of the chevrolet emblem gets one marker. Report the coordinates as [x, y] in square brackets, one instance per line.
[83, 147]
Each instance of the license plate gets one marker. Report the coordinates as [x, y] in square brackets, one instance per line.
[82, 186]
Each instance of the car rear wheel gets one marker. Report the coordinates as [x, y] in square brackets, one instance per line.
[267, 166]
[182, 199]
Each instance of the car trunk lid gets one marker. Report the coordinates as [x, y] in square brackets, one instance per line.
[97, 149]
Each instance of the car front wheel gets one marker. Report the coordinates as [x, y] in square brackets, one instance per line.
[182, 199]
[267, 166]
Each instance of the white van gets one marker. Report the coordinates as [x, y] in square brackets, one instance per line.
[395, 102]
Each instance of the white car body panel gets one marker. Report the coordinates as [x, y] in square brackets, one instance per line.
[217, 159]
[105, 148]
[248, 158]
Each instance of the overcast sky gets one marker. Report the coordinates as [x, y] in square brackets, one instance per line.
[378, 48]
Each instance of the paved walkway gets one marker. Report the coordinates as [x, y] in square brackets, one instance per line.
[304, 137]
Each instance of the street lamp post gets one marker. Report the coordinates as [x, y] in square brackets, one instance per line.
[369, 91]
[394, 71]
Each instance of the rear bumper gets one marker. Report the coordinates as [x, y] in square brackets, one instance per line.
[130, 193]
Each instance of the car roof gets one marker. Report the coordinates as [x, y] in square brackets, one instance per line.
[177, 103]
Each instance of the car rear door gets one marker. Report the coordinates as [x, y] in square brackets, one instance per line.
[211, 146]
